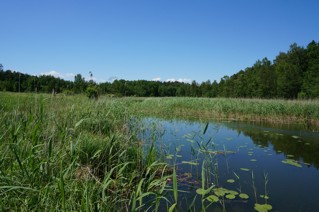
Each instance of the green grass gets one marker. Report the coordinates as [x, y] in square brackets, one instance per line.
[304, 112]
[70, 153]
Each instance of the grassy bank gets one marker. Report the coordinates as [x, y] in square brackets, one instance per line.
[303, 112]
[71, 153]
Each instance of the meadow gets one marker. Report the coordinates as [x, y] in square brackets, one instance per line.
[72, 153]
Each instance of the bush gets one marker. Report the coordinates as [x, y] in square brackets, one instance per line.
[92, 92]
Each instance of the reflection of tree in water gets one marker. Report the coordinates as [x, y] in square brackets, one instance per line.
[302, 149]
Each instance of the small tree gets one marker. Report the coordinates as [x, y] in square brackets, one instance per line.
[92, 92]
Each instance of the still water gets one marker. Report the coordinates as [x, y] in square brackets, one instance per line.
[273, 166]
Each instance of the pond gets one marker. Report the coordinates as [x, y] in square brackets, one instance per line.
[246, 167]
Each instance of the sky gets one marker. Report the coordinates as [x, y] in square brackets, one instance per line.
[181, 40]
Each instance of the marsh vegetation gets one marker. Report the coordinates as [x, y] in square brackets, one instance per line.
[71, 153]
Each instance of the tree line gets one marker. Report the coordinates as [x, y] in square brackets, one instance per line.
[293, 74]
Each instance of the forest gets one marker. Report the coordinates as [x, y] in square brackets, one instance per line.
[293, 74]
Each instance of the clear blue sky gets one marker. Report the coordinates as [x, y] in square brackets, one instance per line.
[149, 39]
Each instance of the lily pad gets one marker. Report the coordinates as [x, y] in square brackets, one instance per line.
[230, 181]
[190, 163]
[202, 191]
[264, 196]
[243, 196]
[245, 169]
[212, 198]
[292, 162]
[220, 191]
[223, 191]
[233, 192]
[262, 208]
[230, 196]
[169, 157]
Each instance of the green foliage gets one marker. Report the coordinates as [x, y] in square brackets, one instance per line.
[72, 154]
[291, 75]
[92, 92]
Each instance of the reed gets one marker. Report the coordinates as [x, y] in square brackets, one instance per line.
[70, 153]
[276, 111]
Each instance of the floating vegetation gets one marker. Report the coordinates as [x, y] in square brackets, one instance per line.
[253, 160]
[219, 152]
[292, 162]
[190, 140]
[190, 163]
[169, 157]
[179, 156]
[307, 143]
[230, 181]
[290, 156]
[201, 191]
[263, 207]
[212, 198]
[224, 191]
[243, 196]
[264, 196]
[245, 169]
[295, 137]
[230, 196]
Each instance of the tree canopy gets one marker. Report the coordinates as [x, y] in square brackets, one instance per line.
[293, 74]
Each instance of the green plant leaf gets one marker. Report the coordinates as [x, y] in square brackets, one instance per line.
[262, 208]
[171, 209]
[264, 196]
[243, 196]
[201, 191]
[230, 196]
[190, 163]
[292, 162]
[230, 181]
[212, 198]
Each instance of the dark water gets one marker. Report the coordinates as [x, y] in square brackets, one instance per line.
[281, 163]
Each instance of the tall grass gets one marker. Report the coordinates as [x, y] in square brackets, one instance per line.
[305, 112]
[72, 154]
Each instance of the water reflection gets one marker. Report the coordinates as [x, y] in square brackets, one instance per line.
[238, 157]
[302, 145]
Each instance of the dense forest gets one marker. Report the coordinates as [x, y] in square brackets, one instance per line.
[294, 74]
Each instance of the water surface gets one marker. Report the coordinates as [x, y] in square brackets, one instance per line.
[281, 164]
